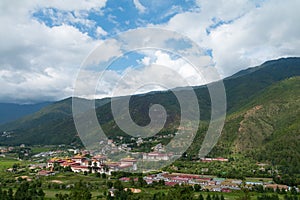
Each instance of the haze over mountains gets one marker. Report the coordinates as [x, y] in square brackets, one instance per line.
[262, 115]
[11, 111]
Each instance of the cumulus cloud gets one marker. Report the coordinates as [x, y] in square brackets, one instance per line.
[157, 70]
[100, 32]
[37, 61]
[264, 33]
[139, 6]
[242, 33]
[40, 61]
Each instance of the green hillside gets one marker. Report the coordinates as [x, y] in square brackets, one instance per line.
[12, 111]
[261, 111]
[51, 125]
[267, 128]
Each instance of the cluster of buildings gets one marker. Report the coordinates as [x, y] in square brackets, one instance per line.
[157, 156]
[213, 159]
[96, 164]
[100, 163]
[206, 182]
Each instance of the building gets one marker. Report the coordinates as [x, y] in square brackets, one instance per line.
[213, 159]
[156, 156]
[130, 162]
[77, 168]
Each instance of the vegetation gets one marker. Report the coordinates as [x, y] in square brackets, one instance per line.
[56, 120]
[262, 127]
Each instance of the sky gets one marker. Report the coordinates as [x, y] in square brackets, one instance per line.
[45, 44]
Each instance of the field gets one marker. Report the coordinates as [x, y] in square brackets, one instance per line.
[7, 163]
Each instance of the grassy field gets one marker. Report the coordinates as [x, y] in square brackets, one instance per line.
[259, 179]
[37, 149]
[7, 163]
[69, 178]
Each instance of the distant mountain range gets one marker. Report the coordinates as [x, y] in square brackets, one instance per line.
[263, 115]
[11, 111]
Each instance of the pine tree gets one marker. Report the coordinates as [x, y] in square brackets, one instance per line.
[200, 197]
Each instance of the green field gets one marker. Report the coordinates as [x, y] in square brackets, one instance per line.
[8, 163]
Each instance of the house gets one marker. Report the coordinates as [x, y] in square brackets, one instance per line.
[124, 179]
[215, 189]
[78, 169]
[180, 180]
[130, 162]
[168, 183]
[213, 159]
[100, 158]
[51, 162]
[133, 190]
[226, 190]
[112, 191]
[230, 185]
[156, 156]
[78, 159]
[275, 186]
[45, 173]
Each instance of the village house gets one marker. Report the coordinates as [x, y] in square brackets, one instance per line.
[213, 159]
[129, 162]
[275, 186]
[78, 159]
[156, 156]
[45, 173]
[78, 169]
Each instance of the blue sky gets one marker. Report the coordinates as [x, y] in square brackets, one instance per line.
[44, 43]
[117, 16]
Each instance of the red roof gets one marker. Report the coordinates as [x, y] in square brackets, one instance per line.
[170, 183]
[225, 190]
[80, 167]
[125, 179]
[180, 179]
[158, 154]
[44, 172]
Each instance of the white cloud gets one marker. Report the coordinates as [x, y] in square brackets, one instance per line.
[38, 62]
[242, 33]
[158, 72]
[139, 6]
[100, 32]
[268, 32]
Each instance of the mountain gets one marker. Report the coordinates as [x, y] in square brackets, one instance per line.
[11, 111]
[267, 128]
[54, 124]
[49, 121]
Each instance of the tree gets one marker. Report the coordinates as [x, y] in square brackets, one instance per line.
[208, 197]
[222, 197]
[27, 191]
[197, 188]
[200, 197]
[109, 184]
[159, 196]
[80, 192]
[41, 193]
[293, 191]
[141, 182]
[118, 185]
[216, 197]
[10, 194]
[62, 196]
[132, 181]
